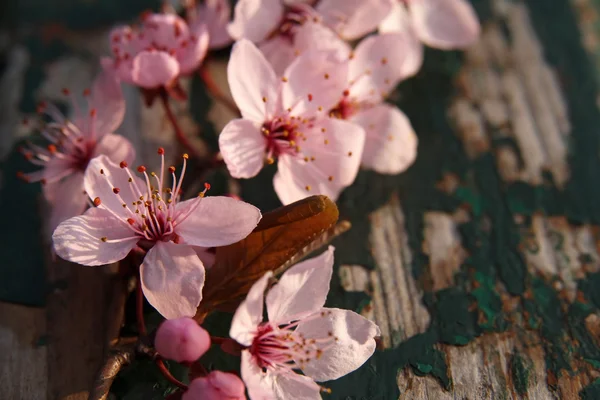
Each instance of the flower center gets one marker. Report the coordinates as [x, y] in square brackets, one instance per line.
[71, 144]
[281, 347]
[344, 109]
[281, 137]
[295, 16]
[153, 215]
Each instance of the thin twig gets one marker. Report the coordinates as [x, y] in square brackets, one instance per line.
[167, 374]
[215, 91]
[181, 137]
[118, 357]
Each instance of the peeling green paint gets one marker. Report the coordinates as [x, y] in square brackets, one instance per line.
[591, 392]
[520, 370]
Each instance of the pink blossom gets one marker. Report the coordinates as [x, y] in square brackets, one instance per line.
[283, 29]
[301, 334]
[74, 142]
[158, 52]
[443, 24]
[215, 15]
[286, 119]
[182, 340]
[376, 66]
[352, 19]
[216, 386]
[147, 213]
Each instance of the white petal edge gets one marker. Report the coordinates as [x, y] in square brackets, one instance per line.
[301, 290]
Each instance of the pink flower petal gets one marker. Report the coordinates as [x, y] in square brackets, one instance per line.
[125, 45]
[229, 385]
[215, 14]
[115, 147]
[67, 199]
[314, 79]
[172, 278]
[258, 383]
[316, 35]
[354, 18]
[279, 51]
[216, 221]
[255, 19]
[397, 20]
[100, 185]
[310, 36]
[164, 30]
[249, 314]
[107, 99]
[152, 69]
[191, 56]
[295, 386]
[243, 147]
[334, 167]
[445, 24]
[354, 345]
[380, 62]
[182, 340]
[216, 386]
[391, 145]
[256, 97]
[79, 239]
[56, 169]
[302, 290]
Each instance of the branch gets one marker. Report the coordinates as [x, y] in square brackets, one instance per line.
[118, 357]
[214, 90]
[168, 376]
[181, 137]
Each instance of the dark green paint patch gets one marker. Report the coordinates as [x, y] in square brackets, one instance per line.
[548, 309]
[580, 86]
[520, 370]
[424, 368]
[591, 392]
[451, 317]
[586, 344]
[590, 286]
[488, 303]
[23, 272]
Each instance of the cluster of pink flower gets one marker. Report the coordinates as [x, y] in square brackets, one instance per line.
[301, 334]
[309, 101]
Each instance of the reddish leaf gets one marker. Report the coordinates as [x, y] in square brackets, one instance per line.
[280, 235]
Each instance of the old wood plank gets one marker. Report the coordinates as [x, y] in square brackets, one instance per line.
[507, 90]
[23, 352]
[77, 325]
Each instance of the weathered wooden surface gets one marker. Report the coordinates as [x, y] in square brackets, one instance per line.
[480, 263]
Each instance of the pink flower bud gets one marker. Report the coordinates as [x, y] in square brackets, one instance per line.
[181, 340]
[216, 386]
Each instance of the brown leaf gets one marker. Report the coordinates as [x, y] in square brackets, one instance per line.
[280, 235]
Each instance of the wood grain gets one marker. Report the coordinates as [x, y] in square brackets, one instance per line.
[23, 354]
